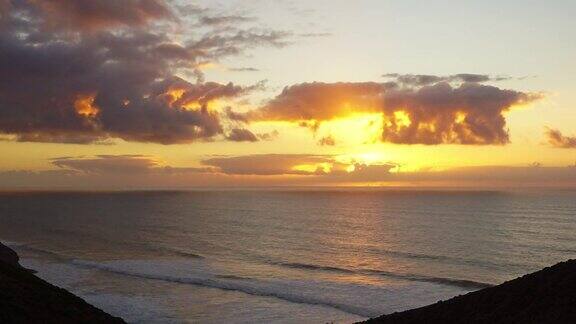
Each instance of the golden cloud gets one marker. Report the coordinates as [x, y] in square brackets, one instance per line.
[437, 112]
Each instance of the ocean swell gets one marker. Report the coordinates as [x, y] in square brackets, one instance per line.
[460, 283]
[246, 285]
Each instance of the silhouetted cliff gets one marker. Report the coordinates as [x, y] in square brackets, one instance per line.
[545, 296]
[25, 298]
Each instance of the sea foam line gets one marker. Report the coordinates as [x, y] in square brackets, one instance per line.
[460, 283]
[240, 285]
[247, 286]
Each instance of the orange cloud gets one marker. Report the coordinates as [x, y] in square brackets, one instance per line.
[556, 139]
[118, 164]
[139, 171]
[242, 135]
[327, 141]
[97, 14]
[90, 71]
[437, 112]
[268, 164]
[294, 164]
[84, 105]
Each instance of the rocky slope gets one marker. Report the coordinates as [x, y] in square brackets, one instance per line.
[25, 298]
[545, 296]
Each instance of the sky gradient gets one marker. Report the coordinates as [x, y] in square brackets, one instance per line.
[174, 94]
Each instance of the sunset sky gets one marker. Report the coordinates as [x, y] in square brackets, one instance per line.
[177, 94]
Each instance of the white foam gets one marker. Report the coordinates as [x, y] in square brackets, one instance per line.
[133, 309]
[352, 298]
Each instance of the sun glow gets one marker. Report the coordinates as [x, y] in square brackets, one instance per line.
[173, 95]
[178, 97]
[353, 129]
[313, 168]
[460, 117]
[369, 158]
[402, 118]
[84, 105]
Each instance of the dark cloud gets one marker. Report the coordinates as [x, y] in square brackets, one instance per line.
[327, 141]
[432, 112]
[119, 164]
[238, 117]
[107, 164]
[556, 139]
[425, 79]
[414, 79]
[268, 136]
[439, 113]
[486, 176]
[216, 45]
[325, 169]
[225, 20]
[191, 10]
[102, 74]
[245, 135]
[97, 14]
[106, 172]
[296, 164]
[5, 8]
[139, 172]
[241, 135]
[536, 164]
[269, 164]
[315, 35]
[321, 101]
[244, 69]
[467, 77]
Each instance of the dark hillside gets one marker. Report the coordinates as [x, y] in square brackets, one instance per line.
[545, 296]
[25, 298]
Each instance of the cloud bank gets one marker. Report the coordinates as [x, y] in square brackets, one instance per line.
[119, 165]
[90, 71]
[146, 172]
[94, 71]
[416, 109]
[97, 14]
[557, 139]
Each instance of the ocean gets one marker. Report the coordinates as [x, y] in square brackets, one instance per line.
[283, 256]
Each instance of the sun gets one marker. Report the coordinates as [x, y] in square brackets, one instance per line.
[354, 129]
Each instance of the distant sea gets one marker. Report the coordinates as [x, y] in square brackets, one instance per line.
[272, 256]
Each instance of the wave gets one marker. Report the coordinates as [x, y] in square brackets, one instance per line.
[233, 277]
[174, 251]
[312, 267]
[448, 259]
[260, 287]
[224, 282]
[247, 285]
[411, 255]
[146, 246]
[51, 254]
[460, 283]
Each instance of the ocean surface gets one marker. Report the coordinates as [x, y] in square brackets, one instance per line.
[272, 256]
